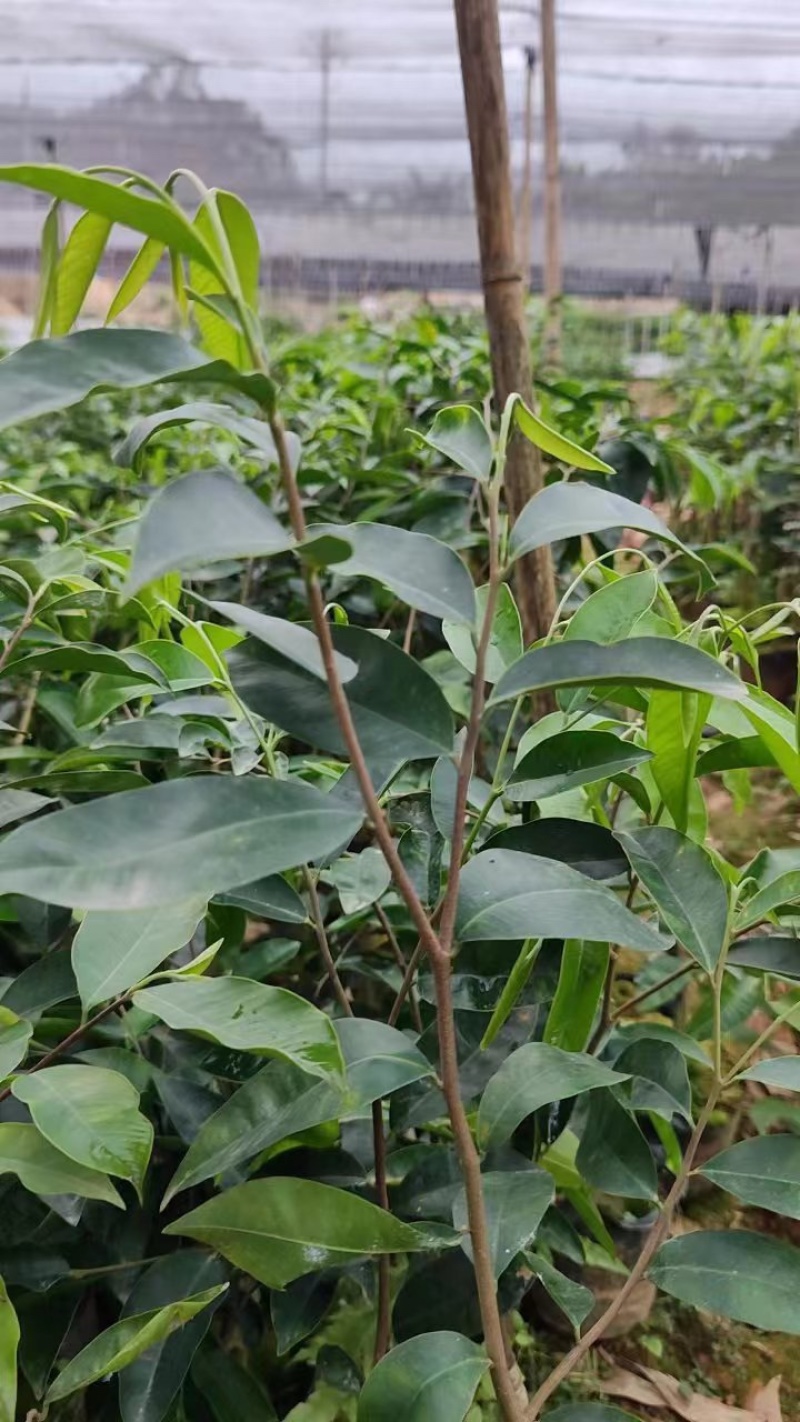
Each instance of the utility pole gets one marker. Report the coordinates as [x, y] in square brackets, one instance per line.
[487, 123]
[552, 194]
[526, 192]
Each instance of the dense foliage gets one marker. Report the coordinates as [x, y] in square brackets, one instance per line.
[338, 1002]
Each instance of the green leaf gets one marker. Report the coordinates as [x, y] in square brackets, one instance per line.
[54, 374]
[783, 1072]
[660, 1032]
[749, 1277]
[248, 1017]
[15, 1035]
[420, 570]
[125, 1341]
[231, 1392]
[298, 644]
[215, 313]
[615, 611]
[48, 269]
[379, 1059]
[574, 1299]
[571, 510]
[775, 725]
[297, 1310]
[9, 1339]
[83, 251]
[640, 662]
[359, 879]
[535, 1075]
[513, 988]
[91, 1115]
[279, 1102]
[555, 444]
[459, 433]
[659, 1079]
[47, 981]
[505, 894]
[253, 432]
[168, 842]
[581, 977]
[431, 1378]
[112, 951]
[399, 712]
[277, 1229]
[202, 518]
[505, 642]
[43, 1170]
[613, 1155]
[764, 1171]
[270, 898]
[515, 1202]
[149, 1385]
[136, 277]
[765, 954]
[119, 204]
[783, 890]
[585, 846]
[570, 759]
[686, 887]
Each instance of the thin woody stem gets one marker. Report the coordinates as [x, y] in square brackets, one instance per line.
[323, 944]
[397, 954]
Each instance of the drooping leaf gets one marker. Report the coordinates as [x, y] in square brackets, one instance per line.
[570, 759]
[125, 1341]
[148, 1386]
[9, 1341]
[686, 886]
[280, 1101]
[783, 890]
[515, 1203]
[505, 642]
[571, 510]
[198, 519]
[551, 442]
[399, 711]
[535, 1075]
[431, 1377]
[659, 1079]
[749, 1277]
[300, 1307]
[764, 1171]
[420, 570]
[768, 954]
[613, 1155]
[83, 251]
[279, 1228]
[15, 1034]
[674, 729]
[195, 836]
[248, 1017]
[91, 1115]
[574, 1299]
[251, 431]
[112, 951]
[46, 1171]
[775, 725]
[641, 662]
[505, 894]
[459, 433]
[54, 374]
[580, 983]
[296, 643]
[378, 1059]
[136, 277]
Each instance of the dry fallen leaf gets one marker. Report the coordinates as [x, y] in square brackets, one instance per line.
[765, 1401]
[654, 1389]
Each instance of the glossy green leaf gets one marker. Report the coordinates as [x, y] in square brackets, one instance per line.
[378, 1059]
[112, 951]
[127, 1340]
[641, 661]
[661, 1032]
[253, 432]
[764, 1171]
[505, 641]
[270, 898]
[783, 1072]
[459, 433]
[399, 711]
[48, 269]
[359, 879]
[749, 1277]
[171, 841]
[616, 610]
[47, 981]
[581, 977]
[202, 518]
[9, 1341]
[431, 1378]
[43, 1170]
[215, 313]
[515, 1202]
[674, 730]
[148, 1386]
[16, 805]
[54, 374]
[766, 954]
[588, 847]
[613, 1155]
[513, 988]
[280, 1228]
[536, 1075]
[686, 887]
[571, 510]
[775, 725]
[659, 1079]
[136, 277]
[297, 1310]
[555, 444]
[298, 644]
[506, 894]
[570, 759]
[83, 251]
[781, 891]
[574, 1299]
[279, 1102]
[248, 1017]
[423, 572]
[231, 1392]
[15, 1035]
[91, 1115]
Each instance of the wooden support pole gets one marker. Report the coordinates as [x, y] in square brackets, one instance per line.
[487, 123]
[552, 191]
[526, 189]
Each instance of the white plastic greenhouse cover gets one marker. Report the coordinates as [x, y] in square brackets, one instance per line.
[342, 122]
